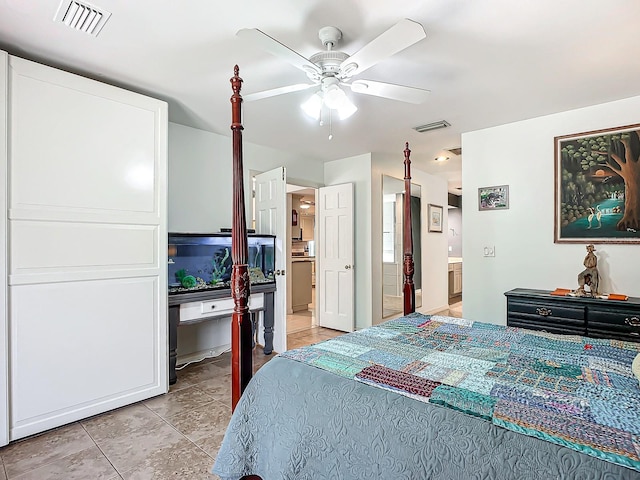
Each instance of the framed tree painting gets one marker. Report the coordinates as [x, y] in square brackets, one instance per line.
[597, 186]
[435, 218]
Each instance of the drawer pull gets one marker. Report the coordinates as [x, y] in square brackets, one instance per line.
[545, 312]
[635, 334]
[633, 321]
[212, 307]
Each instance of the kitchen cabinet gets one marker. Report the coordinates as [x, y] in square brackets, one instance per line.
[301, 284]
[455, 279]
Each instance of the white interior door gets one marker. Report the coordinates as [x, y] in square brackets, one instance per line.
[334, 275]
[4, 350]
[271, 215]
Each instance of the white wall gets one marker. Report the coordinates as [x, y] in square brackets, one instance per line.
[521, 155]
[200, 174]
[357, 170]
[200, 189]
[434, 245]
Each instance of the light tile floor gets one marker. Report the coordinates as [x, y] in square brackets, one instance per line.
[172, 436]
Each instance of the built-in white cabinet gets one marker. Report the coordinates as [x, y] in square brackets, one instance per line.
[87, 247]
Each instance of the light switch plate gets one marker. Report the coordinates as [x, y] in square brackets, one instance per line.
[489, 251]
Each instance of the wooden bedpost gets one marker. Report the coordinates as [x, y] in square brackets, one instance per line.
[409, 288]
[241, 355]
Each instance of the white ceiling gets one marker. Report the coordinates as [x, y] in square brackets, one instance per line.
[486, 62]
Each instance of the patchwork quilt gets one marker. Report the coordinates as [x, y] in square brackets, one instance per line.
[573, 391]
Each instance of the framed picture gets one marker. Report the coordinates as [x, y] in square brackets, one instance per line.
[597, 195]
[435, 218]
[493, 198]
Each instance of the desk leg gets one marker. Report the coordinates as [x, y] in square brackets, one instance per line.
[174, 319]
[268, 323]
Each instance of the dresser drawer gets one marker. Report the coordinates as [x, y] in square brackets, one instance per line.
[619, 321]
[546, 310]
[559, 327]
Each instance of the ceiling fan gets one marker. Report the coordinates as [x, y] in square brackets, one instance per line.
[331, 69]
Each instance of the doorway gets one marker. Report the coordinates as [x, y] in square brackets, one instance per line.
[301, 285]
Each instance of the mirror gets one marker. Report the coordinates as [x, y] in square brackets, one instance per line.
[392, 247]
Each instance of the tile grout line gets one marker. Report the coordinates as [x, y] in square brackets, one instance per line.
[53, 460]
[100, 449]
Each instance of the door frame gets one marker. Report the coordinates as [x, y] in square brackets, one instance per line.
[4, 315]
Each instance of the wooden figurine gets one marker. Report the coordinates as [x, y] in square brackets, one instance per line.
[589, 279]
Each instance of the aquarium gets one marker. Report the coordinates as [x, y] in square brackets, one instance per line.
[203, 261]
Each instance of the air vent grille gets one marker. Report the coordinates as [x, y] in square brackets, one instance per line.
[455, 151]
[432, 126]
[82, 16]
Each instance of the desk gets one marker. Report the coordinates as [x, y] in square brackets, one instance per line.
[196, 307]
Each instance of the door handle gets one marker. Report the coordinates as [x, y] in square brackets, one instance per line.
[347, 267]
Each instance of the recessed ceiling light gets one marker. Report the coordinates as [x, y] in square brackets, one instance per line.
[441, 159]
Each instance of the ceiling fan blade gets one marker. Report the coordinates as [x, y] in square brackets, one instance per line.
[402, 35]
[277, 91]
[274, 47]
[389, 90]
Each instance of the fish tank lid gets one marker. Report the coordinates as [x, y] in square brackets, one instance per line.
[219, 235]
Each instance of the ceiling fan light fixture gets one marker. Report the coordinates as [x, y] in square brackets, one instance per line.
[334, 97]
[346, 109]
[313, 106]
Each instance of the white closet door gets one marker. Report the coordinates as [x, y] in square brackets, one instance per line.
[87, 247]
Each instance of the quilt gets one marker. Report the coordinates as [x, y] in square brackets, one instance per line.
[573, 391]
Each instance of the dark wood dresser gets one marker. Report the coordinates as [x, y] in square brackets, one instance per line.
[591, 317]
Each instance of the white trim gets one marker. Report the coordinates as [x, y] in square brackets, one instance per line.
[4, 333]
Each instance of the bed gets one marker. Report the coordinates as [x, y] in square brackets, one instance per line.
[434, 397]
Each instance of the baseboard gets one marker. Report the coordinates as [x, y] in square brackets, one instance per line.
[202, 354]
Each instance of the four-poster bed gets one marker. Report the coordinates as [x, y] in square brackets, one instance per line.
[427, 396]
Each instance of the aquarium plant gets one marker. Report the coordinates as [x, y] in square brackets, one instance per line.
[219, 268]
[187, 281]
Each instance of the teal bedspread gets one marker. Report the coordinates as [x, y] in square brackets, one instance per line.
[574, 391]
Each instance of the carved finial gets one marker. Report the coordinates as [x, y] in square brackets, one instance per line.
[407, 161]
[236, 81]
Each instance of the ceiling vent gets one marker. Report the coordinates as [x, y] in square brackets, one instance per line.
[432, 126]
[82, 16]
[455, 151]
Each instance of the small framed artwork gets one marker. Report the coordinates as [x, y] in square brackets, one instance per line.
[493, 198]
[435, 218]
